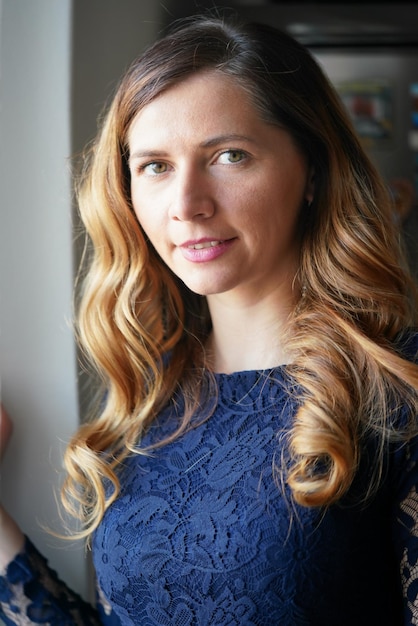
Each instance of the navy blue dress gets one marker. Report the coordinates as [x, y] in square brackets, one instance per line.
[203, 533]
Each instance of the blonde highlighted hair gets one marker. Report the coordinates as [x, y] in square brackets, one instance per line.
[357, 295]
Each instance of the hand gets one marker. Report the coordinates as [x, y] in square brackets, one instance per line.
[12, 539]
[6, 430]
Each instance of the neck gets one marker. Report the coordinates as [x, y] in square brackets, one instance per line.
[247, 337]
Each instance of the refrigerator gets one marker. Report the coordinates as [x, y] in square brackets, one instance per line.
[376, 75]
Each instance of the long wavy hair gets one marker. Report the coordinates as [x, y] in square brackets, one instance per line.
[357, 295]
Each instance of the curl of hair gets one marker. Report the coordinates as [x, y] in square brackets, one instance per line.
[357, 295]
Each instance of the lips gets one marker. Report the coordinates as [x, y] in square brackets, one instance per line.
[205, 250]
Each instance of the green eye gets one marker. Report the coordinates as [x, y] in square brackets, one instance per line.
[231, 156]
[155, 168]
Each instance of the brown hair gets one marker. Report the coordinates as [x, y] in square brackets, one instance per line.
[357, 295]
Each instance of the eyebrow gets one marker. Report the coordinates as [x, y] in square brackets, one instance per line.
[226, 139]
[209, 143]
[149, 154]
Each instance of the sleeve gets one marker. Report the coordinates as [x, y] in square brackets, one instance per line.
[406, 531]
[32, 593]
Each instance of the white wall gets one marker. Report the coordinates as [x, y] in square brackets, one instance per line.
[59, 60]
[37, 355]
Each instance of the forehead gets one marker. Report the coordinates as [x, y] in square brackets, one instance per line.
[207, 101]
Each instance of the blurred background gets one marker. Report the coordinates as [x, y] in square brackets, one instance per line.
[60, 61]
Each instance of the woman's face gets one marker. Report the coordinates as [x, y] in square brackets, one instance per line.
[217, 190]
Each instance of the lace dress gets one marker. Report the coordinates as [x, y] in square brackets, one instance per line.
[202, 534]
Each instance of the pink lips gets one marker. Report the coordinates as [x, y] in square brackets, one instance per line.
[204, 250]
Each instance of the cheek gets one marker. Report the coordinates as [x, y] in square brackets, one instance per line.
[143, 213]
[147, 208]
[138, 212]
[146, 225]
[153, 229]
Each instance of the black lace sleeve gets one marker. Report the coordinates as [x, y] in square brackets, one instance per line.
[31, 593]
[406, 534]
[409, 562]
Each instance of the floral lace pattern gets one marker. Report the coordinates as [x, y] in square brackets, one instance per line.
[202, 535]
[31, 593]
[409, 562]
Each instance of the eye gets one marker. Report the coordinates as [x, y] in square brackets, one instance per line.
[154, 168]
[229, 157]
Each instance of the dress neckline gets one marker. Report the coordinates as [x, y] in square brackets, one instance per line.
[253, 389]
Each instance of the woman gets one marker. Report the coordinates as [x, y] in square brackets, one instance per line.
[249, 311]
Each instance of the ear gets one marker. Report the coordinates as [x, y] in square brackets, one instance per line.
[310, 185]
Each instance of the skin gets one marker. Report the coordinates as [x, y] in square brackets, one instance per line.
[218, 192]
[12, 537]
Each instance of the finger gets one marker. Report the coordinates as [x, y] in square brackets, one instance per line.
[6, 429]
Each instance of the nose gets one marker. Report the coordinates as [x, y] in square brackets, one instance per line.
[192, 196]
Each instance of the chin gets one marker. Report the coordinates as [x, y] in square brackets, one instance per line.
[206, 290]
